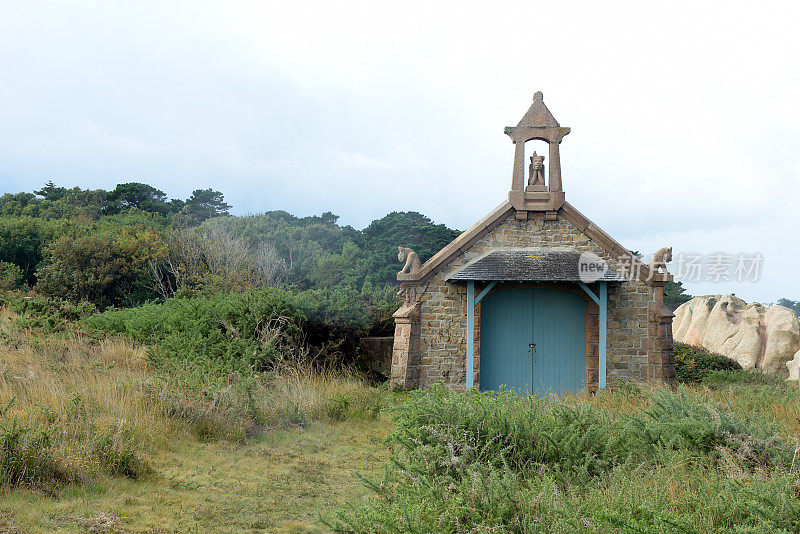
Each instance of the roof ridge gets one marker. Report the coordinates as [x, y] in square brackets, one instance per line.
[463, 242]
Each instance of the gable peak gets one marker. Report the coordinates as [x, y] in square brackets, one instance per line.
[538, 116]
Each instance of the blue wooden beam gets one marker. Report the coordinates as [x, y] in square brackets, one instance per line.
[602, 337]
[485, 291]
[589, 292]
[470, 332]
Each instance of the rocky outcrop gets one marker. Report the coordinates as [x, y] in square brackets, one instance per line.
[755, 336]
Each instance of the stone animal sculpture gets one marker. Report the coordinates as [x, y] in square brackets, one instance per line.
[412, 263]
[536, 170]
[660, 259]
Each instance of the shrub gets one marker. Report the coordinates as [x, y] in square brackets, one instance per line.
[481, 462]
[339, 306]
[241, 332]
[50, 314]
[678, 421]
[11, 276]
[211, 335]
[105, 269]
[26, 456]
[693, 364]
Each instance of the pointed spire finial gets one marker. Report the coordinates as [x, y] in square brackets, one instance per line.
[537, 123]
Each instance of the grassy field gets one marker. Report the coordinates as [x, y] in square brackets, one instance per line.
[282, 482]
[93, 438]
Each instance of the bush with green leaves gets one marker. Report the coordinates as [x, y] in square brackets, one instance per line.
[11, 276]
[49, 314]
[216, 334]
[239, 332]
[695, 364]
[105, 268]
[23, 240]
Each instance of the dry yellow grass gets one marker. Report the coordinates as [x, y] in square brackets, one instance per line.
[325, 393]
[65, 372]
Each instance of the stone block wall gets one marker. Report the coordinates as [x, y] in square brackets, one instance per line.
[636, 334]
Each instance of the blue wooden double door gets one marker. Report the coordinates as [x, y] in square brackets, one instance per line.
[533, 340]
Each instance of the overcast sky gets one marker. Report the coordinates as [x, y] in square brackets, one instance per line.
[685, 117]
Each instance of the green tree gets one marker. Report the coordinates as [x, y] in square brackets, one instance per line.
[59, 203]
[51, 192]
[205, 204]
[104, 269]
[11, 276]
[675, 295]
[409, 229]
[136, 195]
[342, 269]
[22, 240]
[18, 204]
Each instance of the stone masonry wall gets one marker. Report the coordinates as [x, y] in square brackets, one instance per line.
[633, 350]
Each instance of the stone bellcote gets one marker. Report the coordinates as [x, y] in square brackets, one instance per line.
[538, 123]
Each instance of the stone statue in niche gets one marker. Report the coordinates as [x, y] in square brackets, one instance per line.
[412, 263]
[660, 259]
[536, 171]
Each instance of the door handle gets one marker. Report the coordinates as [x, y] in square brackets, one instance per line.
[532, 346]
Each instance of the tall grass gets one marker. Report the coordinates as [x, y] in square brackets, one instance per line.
[76, 407]
[76, 402]
[637, 459]
[300, 391]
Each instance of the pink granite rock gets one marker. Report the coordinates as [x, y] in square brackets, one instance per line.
[754, 336]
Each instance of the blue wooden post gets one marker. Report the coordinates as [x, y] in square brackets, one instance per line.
[470, 332]
[602, 336]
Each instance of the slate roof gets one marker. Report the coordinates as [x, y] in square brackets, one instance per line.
[529, 265]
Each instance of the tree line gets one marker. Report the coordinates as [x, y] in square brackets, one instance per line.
[132, 245]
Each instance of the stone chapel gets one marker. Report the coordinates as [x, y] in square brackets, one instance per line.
[534, 296]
